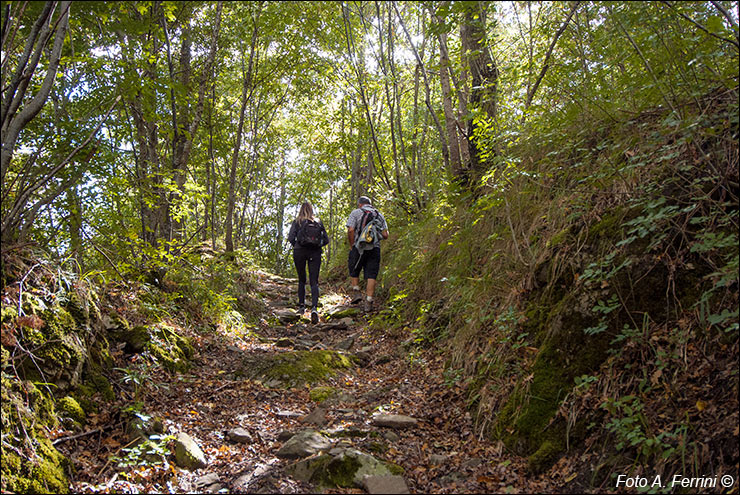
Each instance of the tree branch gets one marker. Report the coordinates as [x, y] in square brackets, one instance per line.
[546, 64]
[692, 21]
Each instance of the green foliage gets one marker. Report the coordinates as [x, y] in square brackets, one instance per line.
[153, 451]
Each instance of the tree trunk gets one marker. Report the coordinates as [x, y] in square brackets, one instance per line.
[237, 146]
[12, 122]
[484, 79]
[456, 170]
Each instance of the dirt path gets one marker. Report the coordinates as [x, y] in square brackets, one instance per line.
[441, 454]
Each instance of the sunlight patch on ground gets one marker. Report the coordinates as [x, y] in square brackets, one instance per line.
[331, 299]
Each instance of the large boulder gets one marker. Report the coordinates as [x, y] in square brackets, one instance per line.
[340, 312]
[385, 484]
[303, 444]
[293, 369]
[188, 454]
[341, 467]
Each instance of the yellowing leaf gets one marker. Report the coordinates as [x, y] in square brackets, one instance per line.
[701, 405]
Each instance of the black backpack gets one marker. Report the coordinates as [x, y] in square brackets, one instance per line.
[309, 234]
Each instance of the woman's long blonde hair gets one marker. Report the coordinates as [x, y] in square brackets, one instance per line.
[306, 212]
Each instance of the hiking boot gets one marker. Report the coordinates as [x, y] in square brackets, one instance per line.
[301, 309]
[356, 296]
[314, 317]
[368, 307]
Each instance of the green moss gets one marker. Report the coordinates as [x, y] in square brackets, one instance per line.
[290, 369]
[377, 447]
[59, 351]
[545, 456]
[4, 357]
[136, 339]
[609, 227]
[8, 312]
[70, 408]
[25, 413]
[45, 473]
[559, 238]
[395, 468]
[100, 356]
[78, 308]
[171, 349]
[524, 422]
[341, 471]
[320, 394]
[102, 385]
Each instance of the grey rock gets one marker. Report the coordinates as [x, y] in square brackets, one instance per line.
[289, 414]
[473, 462]
[239, 435]
[385, 484]
[205, 482]
[286, 434]
[340, 312]
[391, 436]
[346, 344]
[398, 421]
[286, 316]
[316, 417]
[325, 327]
[303, 444]
[357, 465]
[284, 342]
[187, 453]
[347, 321]
[437, 459]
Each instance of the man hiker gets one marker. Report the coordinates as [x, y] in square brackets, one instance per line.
[366, 226]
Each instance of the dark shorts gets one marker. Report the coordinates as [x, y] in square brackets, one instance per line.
[369, 261]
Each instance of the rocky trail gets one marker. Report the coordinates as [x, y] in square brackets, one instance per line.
[334, 407]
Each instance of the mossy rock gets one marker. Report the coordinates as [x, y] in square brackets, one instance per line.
[25, 413]
[136, 339]
[46, 473]
[78, 308]
[95, 382]
[545, 456]
[59, 351]
[320, 394]
[343, 312]
[524, 422]
[292, 369]
[100, 356]
[348, 470]
[172, 350]
[71, 409]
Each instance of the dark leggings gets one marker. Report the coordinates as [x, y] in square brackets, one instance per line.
[301, 256]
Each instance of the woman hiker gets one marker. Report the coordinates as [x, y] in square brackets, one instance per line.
[307, 236]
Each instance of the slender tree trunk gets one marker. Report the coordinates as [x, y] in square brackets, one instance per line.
[427, 95]
[280, 221]
[74, 206]
[247, 83]
[456, 170]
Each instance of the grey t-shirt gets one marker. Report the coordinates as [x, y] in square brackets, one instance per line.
[356, 217]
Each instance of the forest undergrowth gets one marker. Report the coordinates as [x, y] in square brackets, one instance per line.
[602, 307]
